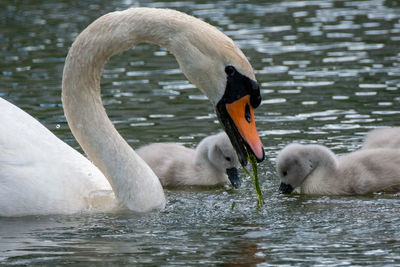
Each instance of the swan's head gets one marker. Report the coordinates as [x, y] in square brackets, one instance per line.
[293, 165]
[213, 62]
[223, 157]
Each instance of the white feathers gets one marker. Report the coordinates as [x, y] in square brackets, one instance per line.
[40, 174]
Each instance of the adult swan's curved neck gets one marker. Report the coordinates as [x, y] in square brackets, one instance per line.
[133, 182]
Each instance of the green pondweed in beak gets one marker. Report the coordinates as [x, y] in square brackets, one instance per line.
[254, 176]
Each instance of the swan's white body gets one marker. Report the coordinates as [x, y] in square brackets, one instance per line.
[383, 138]
[39, 174]
[176, 165]
[316, 170]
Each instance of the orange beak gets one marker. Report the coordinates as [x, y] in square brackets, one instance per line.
[242, 115]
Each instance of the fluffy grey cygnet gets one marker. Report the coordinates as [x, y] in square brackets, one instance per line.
[383, 138]
[317, 170]
[213, 161]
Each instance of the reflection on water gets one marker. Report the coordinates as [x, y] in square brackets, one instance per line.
[329, 72]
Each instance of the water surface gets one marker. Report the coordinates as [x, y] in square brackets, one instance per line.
[329, 72]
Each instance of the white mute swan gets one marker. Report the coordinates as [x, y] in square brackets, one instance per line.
[36, 178]
[214, 162]
[316, 170]
[383, 138]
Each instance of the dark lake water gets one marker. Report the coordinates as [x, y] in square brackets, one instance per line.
[329, 72]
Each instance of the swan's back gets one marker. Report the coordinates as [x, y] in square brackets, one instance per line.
[383, 138]
[177, 165]
[40, 174]
[370, 170]
[172, 163]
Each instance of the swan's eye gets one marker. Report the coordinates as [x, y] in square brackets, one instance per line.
[230, 70]
[228, 158]
[284, 173]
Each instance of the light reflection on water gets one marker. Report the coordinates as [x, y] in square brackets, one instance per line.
[329, 72]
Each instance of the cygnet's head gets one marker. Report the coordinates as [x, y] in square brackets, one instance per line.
[222, 156]
[293, 165]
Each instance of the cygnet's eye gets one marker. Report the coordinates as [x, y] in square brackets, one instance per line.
[228, 158]
[230, 70]
[284, 173]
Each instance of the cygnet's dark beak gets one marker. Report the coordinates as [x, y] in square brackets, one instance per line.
[233, 177]
[285, 188]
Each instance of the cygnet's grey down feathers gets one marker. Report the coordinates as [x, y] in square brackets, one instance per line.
[176, 165]
[383, 138]
[316, 170]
